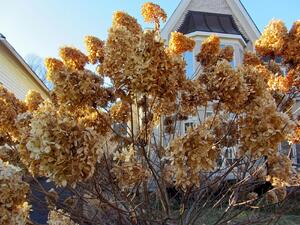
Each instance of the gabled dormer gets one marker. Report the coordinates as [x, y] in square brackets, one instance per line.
[228, 19]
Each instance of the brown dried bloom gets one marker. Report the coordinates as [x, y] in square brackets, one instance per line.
[291, 52]
[194, 153]
[152, 13]
[127, 168]
[58, 217]
[33, 99]
[272, 41]
[293, 77]
[53, 65]
[278, 83]
[280, 171]
[193, 95]
[95, 48]
[125, 20]
[179, 43]
[73, 58]
[225, 84]
[79, 88]
[14, 208]
[120, 112]
[227, 53]
[10, 107]
[60, 147]
[210, 50]
[251, 58]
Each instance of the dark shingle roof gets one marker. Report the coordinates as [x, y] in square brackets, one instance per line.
[209, 22]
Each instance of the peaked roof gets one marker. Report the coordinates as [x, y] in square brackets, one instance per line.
[209, 22]
[239, 13]
[23, 63]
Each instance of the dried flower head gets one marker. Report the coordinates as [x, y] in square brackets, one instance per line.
[95, 49]
[61, 147]
[251, 59]
[152, 13]
[125, 20]
[129, 171]
[33, 99]
[53, 65]
[10, 107]
[120, 112]
[194, 153]
[14, 208]
[210, 50]
[179, 43]
[291, 52]
[227, 53]
[272, 41]
[58, 217]
[73, 58]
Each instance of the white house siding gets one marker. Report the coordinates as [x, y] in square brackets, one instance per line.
[15, 77]
[212, 6]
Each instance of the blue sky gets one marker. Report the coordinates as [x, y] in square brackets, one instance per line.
[42, 26]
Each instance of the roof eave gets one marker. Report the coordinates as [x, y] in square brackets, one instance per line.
[22, 61]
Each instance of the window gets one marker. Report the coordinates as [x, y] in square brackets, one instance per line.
[188, 126]
[208, 114]
[229, 156]
[189, 59]
[285, 147]
[232, 62]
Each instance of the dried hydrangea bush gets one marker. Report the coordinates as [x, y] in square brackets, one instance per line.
[112, 136]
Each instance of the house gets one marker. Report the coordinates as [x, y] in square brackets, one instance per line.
[15, 74]
[230, 21]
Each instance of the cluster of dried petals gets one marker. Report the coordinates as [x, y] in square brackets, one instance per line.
[129, 171]
[14, 208]
[291, 52]
[33, 99]
[227, 53]
[273, 39]
[251, 58]
[120, 112]
[194, 153]
[210, 50]
[143, 65]
[262, 127]
[179, 43]
[295, 136]
[152, 13]
[53, 65]
[192, 96]
[73, 58]
[10, 107]
[125, 20]
[120, 55]
[280, 171]
[226, 85]
[278, 83]
[95, 49]
[293, 77]
[60, 147]
[79, 88]
[58, 217]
